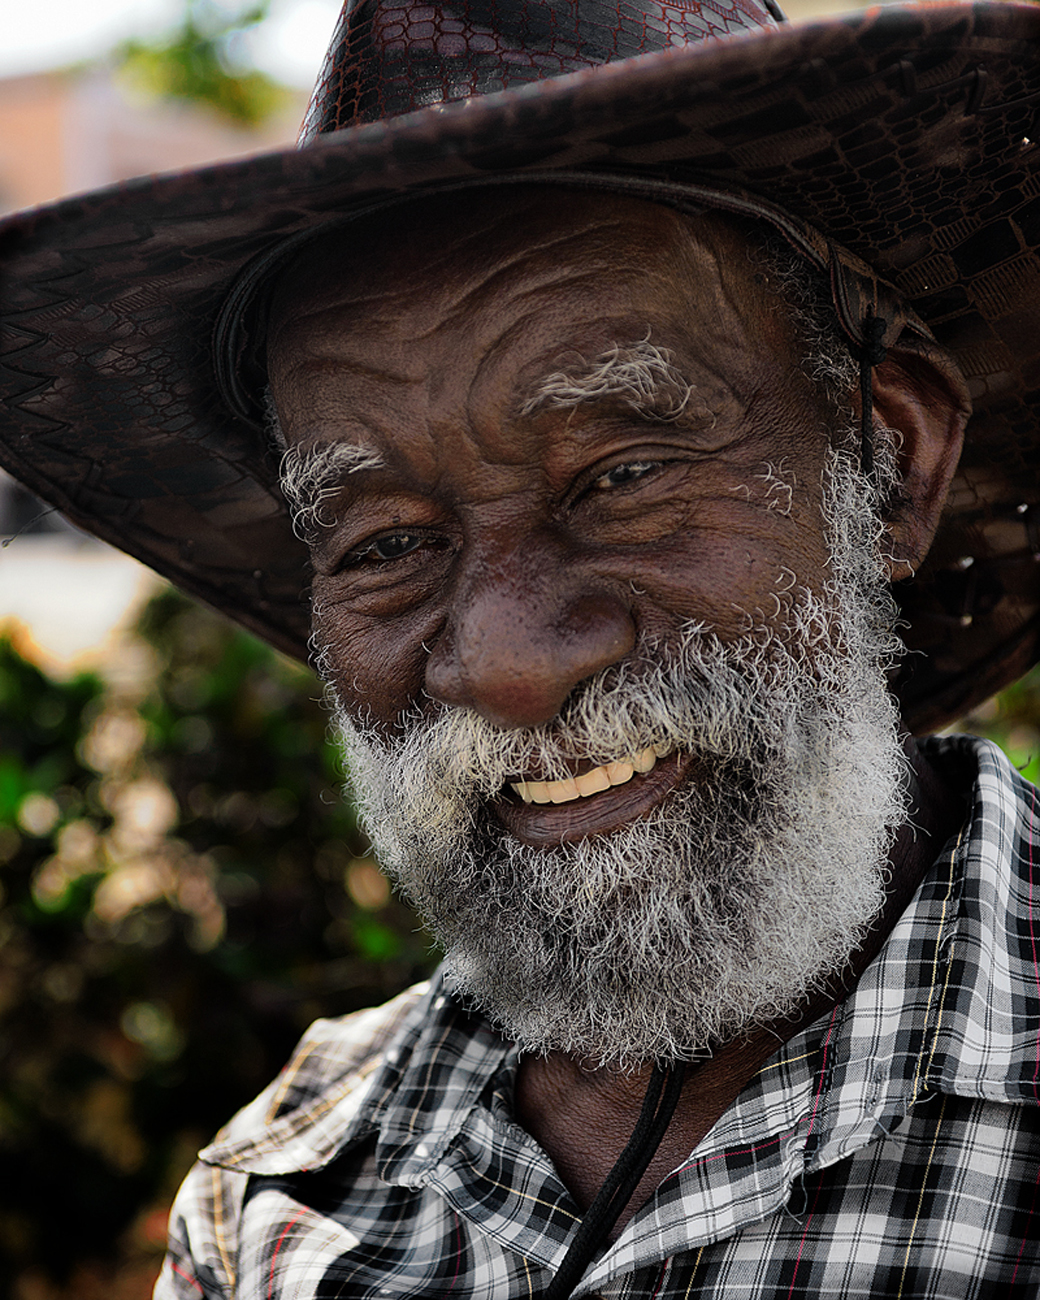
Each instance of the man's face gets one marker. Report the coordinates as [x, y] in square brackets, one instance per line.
[561, 440]
[509, 547]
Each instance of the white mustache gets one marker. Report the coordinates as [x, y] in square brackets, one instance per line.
[691, 695]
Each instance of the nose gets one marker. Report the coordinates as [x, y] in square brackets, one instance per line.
[523, 631]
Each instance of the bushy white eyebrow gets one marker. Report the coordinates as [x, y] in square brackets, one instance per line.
[310, 477]
[640, 374]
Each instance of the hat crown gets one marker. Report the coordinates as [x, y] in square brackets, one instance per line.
[389, 57]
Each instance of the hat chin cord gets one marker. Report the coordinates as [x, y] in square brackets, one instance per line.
[659, 1103]
[871, 353]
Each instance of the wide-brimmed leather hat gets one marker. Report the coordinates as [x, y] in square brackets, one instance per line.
[131, 375]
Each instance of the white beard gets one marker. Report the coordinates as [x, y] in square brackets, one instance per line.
[727, 904]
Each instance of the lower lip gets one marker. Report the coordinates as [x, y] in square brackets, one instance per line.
[543, 825]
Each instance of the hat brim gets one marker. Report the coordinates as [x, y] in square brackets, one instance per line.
[903, 133]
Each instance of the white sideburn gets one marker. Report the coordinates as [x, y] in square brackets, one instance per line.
[589, 783]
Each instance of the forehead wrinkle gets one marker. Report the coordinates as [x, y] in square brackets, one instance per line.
[454, 297]
[519, 276]
[315, 364]
[530, 308]
[534, 245]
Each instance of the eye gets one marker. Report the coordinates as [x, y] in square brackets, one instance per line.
[622, 475]
[391, 546]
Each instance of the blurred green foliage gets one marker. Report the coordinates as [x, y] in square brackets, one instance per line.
[197, 62]
[182, 890]
[1012, 719]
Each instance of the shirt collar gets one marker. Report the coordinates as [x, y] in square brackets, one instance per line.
[987, 1029]
[410, 1071]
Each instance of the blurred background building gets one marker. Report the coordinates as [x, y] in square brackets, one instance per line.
[62, 132]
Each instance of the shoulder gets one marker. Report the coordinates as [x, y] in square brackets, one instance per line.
[332, 1059]
[989, 1000]
[323, 1099]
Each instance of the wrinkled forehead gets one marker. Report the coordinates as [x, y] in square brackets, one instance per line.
[519, 277]
[469, 248]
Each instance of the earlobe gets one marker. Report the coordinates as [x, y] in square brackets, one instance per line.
[920, 393]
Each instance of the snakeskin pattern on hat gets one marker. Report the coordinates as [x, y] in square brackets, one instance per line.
[386, 59]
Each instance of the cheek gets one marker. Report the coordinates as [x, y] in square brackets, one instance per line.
[376, 666]
[722, 576]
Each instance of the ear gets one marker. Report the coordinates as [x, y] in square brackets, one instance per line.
[920, 392]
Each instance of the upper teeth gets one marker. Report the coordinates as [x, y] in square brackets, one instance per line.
[580, 787]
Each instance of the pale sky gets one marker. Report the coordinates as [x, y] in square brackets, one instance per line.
[41, 34]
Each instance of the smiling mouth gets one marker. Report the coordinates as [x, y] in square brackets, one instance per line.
[589, 783]
[544, 813]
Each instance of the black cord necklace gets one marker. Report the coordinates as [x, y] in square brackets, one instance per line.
[662, 1096]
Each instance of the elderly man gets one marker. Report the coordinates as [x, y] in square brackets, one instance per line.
[608, 472]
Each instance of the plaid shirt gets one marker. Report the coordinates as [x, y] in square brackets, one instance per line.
[891, 1149]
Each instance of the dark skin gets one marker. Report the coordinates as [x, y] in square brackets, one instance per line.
[503, 555]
